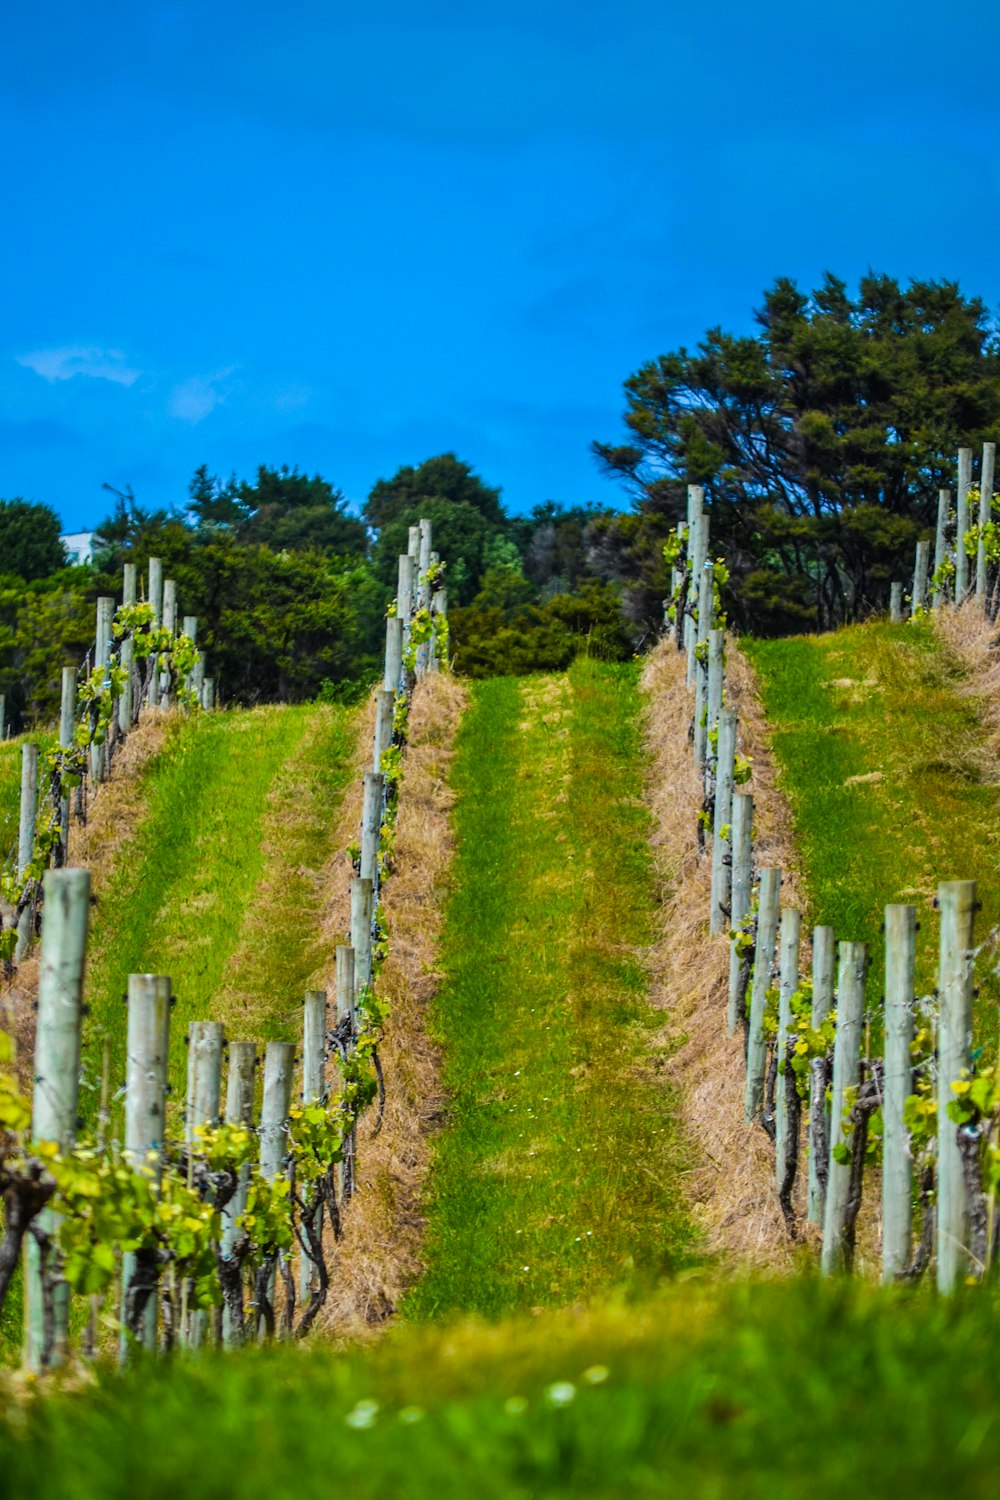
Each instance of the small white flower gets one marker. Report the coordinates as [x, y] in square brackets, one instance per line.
[525, 1268]
[363, 1415]
[560, 1393]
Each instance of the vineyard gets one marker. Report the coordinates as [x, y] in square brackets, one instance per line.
[581, 1083]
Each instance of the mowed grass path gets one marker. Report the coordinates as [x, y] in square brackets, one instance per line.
[221, 888]
[890, 780]
[558, 1172]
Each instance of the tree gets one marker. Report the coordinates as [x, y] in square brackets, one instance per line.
[441, 478]
[281, 509]
[461, 535]
[29, 539]
[821, 441]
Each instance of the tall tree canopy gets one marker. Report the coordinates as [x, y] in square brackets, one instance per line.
[821, 441]
[441, 478]
[281, 508]
[29, 539]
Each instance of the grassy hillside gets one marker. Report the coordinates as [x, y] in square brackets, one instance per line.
[558, 1174]
[220, 887]
[890, 779]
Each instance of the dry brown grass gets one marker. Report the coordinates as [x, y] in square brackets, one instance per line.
[732, 1189]
[114, 814]
[379, 1256]
[975, 642]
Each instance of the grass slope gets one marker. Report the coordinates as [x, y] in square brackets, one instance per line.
[238, 806]
[558, 1173]
[886, 767]
[751, 1393]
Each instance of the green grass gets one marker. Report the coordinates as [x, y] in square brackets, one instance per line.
[558, 1173]
[752, 1393]
[883, 702]
[186, 897]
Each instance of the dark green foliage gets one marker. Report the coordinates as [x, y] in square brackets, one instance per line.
[821, 442]
[282, 509]
[461, 535]
[441, 478]
[504, 633]
[29, 539]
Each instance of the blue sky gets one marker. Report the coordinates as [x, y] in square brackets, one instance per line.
[348, 237]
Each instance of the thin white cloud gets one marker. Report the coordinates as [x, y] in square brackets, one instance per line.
[80, 359]
[193, 400]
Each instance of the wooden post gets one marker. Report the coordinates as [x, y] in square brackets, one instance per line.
[716, 657]
[346, 1009]
[985, 514]
[126, 655]
[940, 547]
[371, 821]
[208, 693]
[742, 874]
[699, 548]
[156, 602]
[385, 703]
[957, 901]
[361, 932]
[404, 598]
[895, 604]
[439, 611]
[169, 623]
[919, 599]
[837, 1252]
[767, 931]
[424, 591]
[279, 1063]
[701, 666]
[721, 831]
[897, 1168]
[102, 653]
[393, 653]
[3, 716]
[67, 714]
[26, 837]
[413, 544]
[791, 923]
[147, 1042]
[313, 1092]
[190, 628]
[203, 1102]
[239, 1111]
[961, 556]
[57, 1078]
[824, 956]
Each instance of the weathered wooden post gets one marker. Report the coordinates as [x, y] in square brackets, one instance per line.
[385, 704]
[985, 514]
[788, 983]
[713, 693]
[313, 1092]
[837, 1252]
[102, 654]
[961, 556]
[701, 663]
[57, 1081]
[67, 714]
[26, 838]
[696, 515]
[722, 834]
[202, 1107]
[239, 1111]
[393, 653]
[361, 932]
[169, 624]
[126, 655]
[3, 716]
[371, 821]
[208, 693]
[155, 600]
[957, 901]
[742, 877]
[895, 604]
[404, 602]
[347, 1011]
[439, 611]
[699, 552]
[424, 591]
[413, 544]
[279, 1063]
[146, 1046]
[940, 548]
[768, 898]
[824, 955]
[897, 1168]
[194, 682]
[919, 598]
